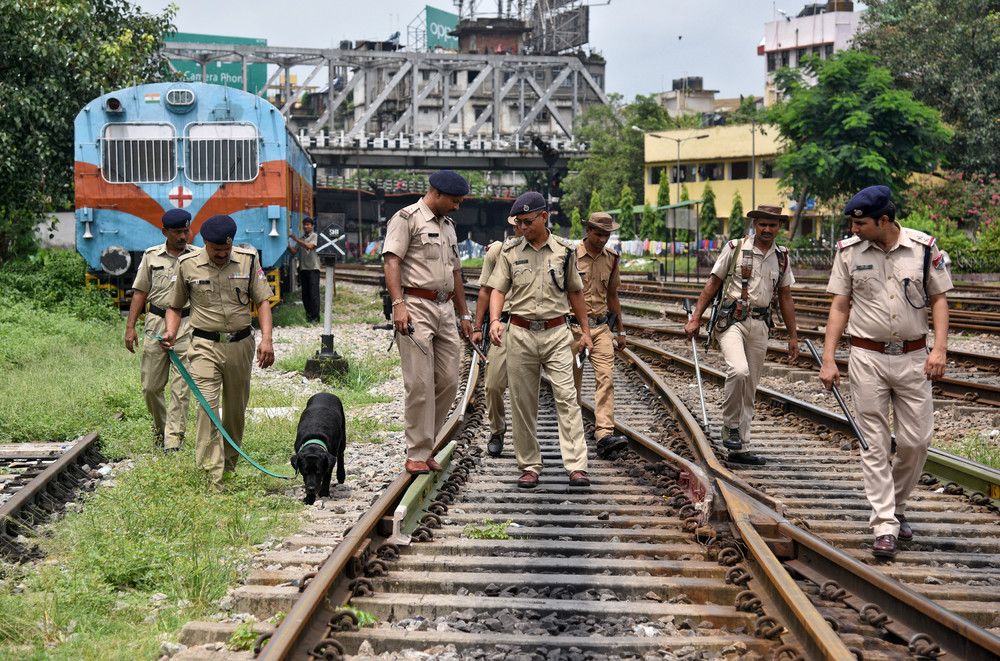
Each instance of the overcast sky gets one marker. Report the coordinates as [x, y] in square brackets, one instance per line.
[647, 43]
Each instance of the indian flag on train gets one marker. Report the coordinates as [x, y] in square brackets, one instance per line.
[153, 98]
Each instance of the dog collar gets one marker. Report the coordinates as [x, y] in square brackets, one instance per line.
[313, 441]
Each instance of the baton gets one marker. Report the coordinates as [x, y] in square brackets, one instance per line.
[840, 400]
[697, 369]
[482, 356]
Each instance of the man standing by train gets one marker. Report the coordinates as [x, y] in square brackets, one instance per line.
[423, 275]
[883, 279]
[598, 266]
[538, 273]
[309, 267]
[760, 272]
[153, 283]
[496, 369]
[220, 282]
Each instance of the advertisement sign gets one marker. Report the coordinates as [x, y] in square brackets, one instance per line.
[229, 74]
[439, 24]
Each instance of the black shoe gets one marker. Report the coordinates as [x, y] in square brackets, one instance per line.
[733, 441]
[495, 446]
[609, 443]
[747, 458]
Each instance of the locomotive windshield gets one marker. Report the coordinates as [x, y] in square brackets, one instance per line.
[222, 152]
[143, 153]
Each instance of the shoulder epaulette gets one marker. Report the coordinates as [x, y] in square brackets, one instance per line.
[406, 212]
[566, 243]
[189, 255]
[152, 248]
[244, 251]
[511, 242]
[853, 241]
[922, 238]
[783, 249]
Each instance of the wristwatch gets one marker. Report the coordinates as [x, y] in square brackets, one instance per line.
[621, 333]
[466, 317]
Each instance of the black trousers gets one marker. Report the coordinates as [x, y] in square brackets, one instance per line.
[310, 293]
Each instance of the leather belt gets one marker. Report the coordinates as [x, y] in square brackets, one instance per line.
[537, 324]
[430, 294]
[594, 321]
[760, 313]
[160, 312]
[891, 348]
[223, 337]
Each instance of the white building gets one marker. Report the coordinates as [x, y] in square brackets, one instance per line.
[819, 29]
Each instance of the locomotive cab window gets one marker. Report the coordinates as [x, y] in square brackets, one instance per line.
[138, 153]
[222, 152]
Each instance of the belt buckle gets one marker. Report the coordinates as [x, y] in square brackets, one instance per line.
[894, 348]
[440, 296]
[536, 325]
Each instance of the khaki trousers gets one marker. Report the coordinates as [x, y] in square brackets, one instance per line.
[430, 382]
[221, 370]
[496, 386]
[602, 358]
[527, 353]
[878, 380]
[744, 347]
[156, 368]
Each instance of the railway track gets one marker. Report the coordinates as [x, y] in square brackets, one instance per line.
[36, 481]
[670, 554]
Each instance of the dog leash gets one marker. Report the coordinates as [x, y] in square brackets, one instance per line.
[208, 409]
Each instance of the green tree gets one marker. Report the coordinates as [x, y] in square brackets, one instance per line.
[625, 216]
[575, 224]
[685, 196]
[56, 56]
[662, 200]
[707, 217]
[648, 227]
[945, 52]
[850, 130]
[737, 223]
[595, 203]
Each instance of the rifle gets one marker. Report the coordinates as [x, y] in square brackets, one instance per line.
[714, 317]
[612, 320]
[840, 400]
[484, 348]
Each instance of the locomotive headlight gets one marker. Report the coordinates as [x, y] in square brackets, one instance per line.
[115, 260]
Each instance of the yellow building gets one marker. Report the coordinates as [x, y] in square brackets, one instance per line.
[720, 154]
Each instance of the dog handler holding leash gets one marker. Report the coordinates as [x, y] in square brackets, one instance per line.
[220, 282]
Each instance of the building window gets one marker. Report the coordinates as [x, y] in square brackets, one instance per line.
[817, 51]
[138, 153]
[740, 170]
[688, 173]
[711, 171]
[655, 173]
[765, 169]
[801, 54]
[772, 61]
[784, 55]
[829, 51]
[425, 74]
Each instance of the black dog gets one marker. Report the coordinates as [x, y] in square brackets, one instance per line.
[322, 422]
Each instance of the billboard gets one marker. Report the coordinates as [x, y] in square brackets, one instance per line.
[229, 74]
[439, 24]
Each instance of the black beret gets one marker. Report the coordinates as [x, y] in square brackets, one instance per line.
[219, 229]
[449, 182]
[872, 202]
[175, 219]
[528, 202]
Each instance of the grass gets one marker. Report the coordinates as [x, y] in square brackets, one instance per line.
[977, 447]
[157, 550]
[489, 529]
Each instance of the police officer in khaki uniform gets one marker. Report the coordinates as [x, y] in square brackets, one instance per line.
[598, 266]
[883, 280]
[759, 271]
[309, 267]
[153, 283]
[538, 274]
[423, 274]
[220, 282]
[496, 369]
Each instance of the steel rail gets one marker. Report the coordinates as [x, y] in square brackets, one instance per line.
[288, 636]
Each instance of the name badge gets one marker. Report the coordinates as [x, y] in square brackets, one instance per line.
[520, 261]
[864, 267]
[202, 282]
[239, 276]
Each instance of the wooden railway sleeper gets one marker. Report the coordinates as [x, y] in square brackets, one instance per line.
[873, 615]
[788, 653]
[328, 650]
[343, 620]
[923, 647]
[767, 627]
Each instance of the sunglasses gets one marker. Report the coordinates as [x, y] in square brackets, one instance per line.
[526, 222]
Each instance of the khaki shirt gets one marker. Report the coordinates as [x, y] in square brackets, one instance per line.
[426, 246]
[489, 263]
[220, 298]
[765, 276]
[157, 272]
[598, 274]
[308, 259]
[875, 282]
[525, 276]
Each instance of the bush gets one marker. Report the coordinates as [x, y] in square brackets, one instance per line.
[949, 236]
[53, 280]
